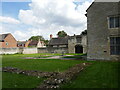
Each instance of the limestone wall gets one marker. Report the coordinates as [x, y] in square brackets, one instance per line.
[42, 50]
[30, 50]
[9, 50]
[98, 32]
[57, 50]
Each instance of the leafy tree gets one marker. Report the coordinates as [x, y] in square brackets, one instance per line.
[36, 38]
[46, 42]
[84, 32]
[61, 34]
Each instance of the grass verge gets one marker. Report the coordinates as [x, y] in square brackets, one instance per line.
[10, 80]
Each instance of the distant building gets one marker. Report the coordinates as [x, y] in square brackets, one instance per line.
[103, 24]
[7, 41]
[58, 45]
[68, 44]
[77, 44]
[34, 43]
[22, 44]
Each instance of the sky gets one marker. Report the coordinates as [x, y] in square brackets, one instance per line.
[43, 17]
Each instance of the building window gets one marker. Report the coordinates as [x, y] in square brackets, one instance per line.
[114, 22]
[6, 43]
[115, 45]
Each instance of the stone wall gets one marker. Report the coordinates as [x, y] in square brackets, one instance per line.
[42, 50]
[73, 42]
[30, 50]
[98, 32]
[84, 43]
[18, 50]
[57, 50]
[9, 50]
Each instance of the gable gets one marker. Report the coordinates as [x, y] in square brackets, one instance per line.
[10, 35]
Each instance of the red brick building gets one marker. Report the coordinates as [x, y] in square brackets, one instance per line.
[7, 41]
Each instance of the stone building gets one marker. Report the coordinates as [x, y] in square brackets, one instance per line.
[68, 44]
[58, 45]
[103, 31]
[7, 41]
[77, 44]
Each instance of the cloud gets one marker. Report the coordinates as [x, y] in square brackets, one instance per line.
[47, 12]
[47, 17]
[50, 16]
[9, 20]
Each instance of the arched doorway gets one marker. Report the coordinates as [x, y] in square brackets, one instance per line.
[78, 49]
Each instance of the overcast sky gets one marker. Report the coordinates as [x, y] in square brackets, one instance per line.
[26, 19]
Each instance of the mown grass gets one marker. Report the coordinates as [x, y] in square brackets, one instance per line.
[11, 80]
[18, 61]
[99, 75]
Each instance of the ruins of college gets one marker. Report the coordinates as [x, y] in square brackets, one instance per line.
[102, 41]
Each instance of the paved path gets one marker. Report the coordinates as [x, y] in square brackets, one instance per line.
[52, 57]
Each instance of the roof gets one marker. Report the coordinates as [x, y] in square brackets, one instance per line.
[3, 36]
[33, 43]
[89, 7]
[59, 41]
[21, 42]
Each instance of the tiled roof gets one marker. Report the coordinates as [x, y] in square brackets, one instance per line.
[59, 41]
[33, 43]
[3, 36]
[21, 42]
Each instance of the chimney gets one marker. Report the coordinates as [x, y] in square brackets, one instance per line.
[51, 36]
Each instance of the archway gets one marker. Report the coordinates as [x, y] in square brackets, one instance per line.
[78, 49]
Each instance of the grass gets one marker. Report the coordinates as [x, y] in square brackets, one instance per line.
[22, 81]
[99, 75]
[19, 81]
[37, 64]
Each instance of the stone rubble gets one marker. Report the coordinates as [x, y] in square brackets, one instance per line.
[65, 77]
[54, 79]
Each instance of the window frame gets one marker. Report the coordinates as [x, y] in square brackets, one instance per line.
[114, 45]
[114, 22]
[6, 43]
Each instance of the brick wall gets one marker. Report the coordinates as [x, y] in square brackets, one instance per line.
[9, 42]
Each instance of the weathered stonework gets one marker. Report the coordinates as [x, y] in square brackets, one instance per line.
[72, 42]
[98, 32]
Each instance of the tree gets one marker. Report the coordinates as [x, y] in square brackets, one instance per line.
[61, 34]
[84, 32]
[36, 38]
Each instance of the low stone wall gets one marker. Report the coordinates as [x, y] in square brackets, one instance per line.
[32, 50]
[29, 50]
[18, 50]
[53, 79]
[9, 50]
[57, 50]
[42, 50]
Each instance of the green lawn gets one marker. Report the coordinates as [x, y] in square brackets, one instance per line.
[99, 75]
[37, 64]
[19, 81]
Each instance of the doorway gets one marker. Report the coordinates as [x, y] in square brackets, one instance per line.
[78, 49]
